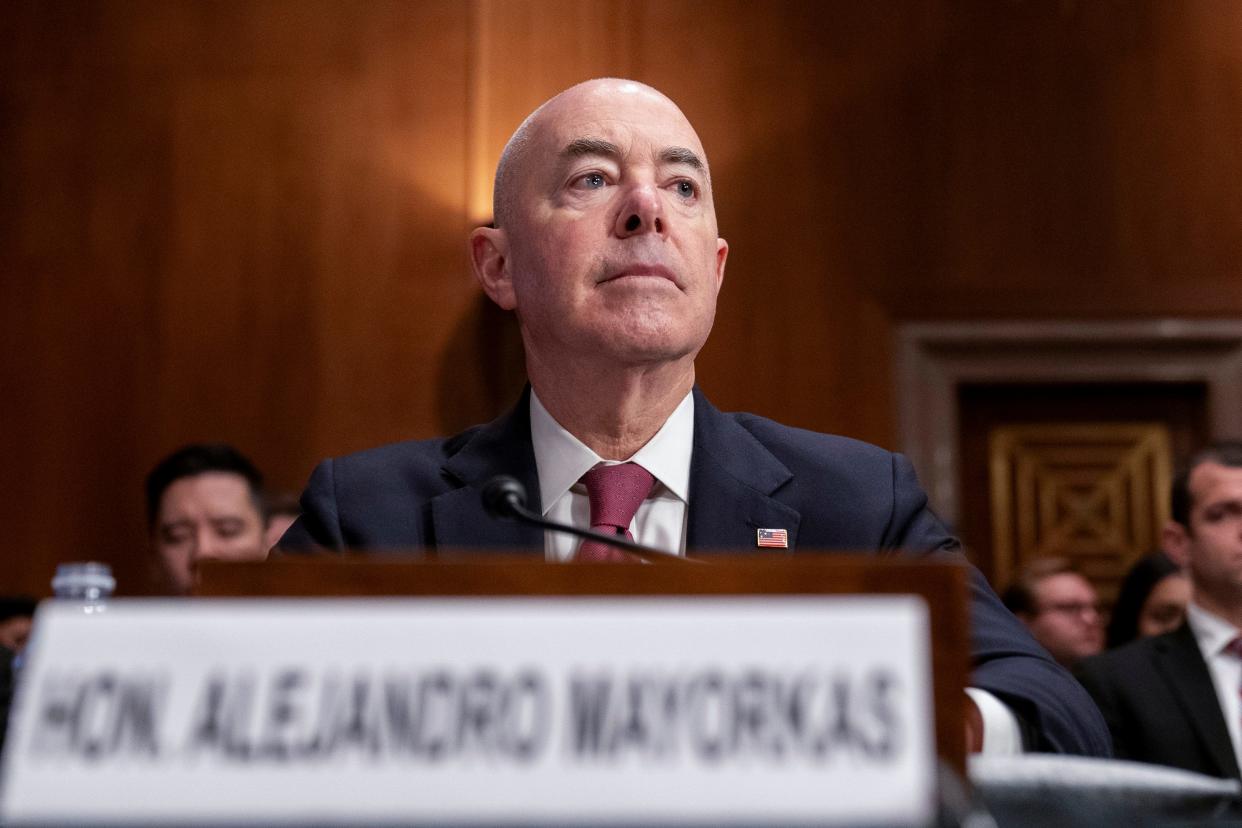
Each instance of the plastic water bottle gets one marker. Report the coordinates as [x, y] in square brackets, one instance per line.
[88, 582]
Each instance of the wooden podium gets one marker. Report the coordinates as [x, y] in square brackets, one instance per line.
[942, 585]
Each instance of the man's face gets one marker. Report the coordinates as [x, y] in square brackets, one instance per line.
[15, 631]
[1067, 619]
[209, 516]
[612, 251]
[1210, 548]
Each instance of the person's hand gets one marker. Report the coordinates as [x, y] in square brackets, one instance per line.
[974, 727]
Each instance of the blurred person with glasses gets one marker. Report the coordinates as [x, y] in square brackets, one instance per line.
[1060, 607]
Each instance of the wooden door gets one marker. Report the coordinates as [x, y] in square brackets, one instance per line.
[1078, 470]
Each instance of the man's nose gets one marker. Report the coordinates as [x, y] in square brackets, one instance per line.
[207, 546]
[641, 212]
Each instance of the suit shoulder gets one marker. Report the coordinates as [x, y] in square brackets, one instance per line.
[409, 460]
[1115, 662]
[436, 449]
[802, 445]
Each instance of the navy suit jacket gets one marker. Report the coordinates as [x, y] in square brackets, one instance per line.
[746, 472]
[1160, 704]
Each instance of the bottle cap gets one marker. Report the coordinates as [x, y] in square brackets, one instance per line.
[79, 577]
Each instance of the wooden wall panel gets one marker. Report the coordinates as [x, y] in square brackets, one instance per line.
[222, 221]
[1084, 163]
[246, 221]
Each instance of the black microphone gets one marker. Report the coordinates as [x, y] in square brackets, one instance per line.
[504, 497]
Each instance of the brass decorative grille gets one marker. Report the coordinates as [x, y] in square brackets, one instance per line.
[1096, 493]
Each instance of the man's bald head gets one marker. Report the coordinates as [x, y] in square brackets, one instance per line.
[605, 242]
[512, 160]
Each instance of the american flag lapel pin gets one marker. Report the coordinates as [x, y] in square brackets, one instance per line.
[772, 538]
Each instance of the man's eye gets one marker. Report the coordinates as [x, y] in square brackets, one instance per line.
[229, 528]
[591, 181]
[686, 189]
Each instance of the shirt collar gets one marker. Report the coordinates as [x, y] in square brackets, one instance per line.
[1212, 632]
[562, 459]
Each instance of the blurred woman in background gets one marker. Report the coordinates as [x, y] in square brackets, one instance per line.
[1152, 601]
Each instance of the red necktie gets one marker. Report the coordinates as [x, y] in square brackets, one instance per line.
[615, 493]
[1234, 648]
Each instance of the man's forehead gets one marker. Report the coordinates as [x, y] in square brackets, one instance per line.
[592, 118]
[1211, 473]
[1064, 582]
[640, 122]
[214, 487]
[1211, 481]
[1047, 584]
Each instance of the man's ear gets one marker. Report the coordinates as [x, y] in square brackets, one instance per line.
[489, 254]
[722, 253]
[1175, 541]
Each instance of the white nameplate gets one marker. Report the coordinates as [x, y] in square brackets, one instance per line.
[774, 710]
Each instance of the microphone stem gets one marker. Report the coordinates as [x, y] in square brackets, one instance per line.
[647, 553]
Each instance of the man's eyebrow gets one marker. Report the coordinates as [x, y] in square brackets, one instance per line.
[590, 146]
[580, 147]
[682, 155]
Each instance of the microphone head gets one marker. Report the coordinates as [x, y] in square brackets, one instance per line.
[503, 496]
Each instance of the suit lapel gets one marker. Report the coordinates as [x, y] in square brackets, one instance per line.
[503, 446]
[732, 478]
[1181, 664]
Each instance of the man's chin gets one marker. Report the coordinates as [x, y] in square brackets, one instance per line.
[639, 353]
[645, 343]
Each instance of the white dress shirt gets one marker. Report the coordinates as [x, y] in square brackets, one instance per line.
[562, 459]
[1213, 634]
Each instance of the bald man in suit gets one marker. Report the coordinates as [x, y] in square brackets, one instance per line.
[605, 246]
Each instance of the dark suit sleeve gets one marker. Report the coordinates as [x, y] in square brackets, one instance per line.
[1096, 675]
[912, 525]
[318, 527]
[1056, 713]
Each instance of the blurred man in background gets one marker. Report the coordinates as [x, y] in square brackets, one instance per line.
[16, 616]
[1174, 699]
[1060, 607]
[204, 502]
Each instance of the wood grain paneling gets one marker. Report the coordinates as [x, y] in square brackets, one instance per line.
[245, 221]
[223, 221]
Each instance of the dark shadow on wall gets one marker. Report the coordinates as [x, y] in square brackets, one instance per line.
[483, 369]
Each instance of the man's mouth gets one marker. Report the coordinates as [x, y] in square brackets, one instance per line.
[652, 271]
